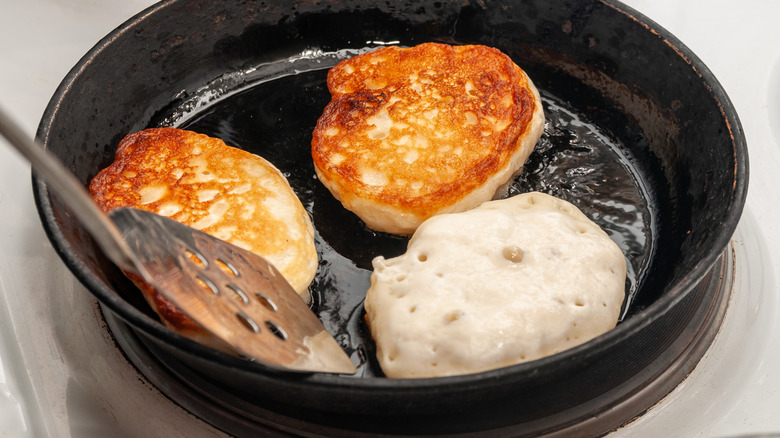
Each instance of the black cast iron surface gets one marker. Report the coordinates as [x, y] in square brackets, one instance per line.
[651, 121]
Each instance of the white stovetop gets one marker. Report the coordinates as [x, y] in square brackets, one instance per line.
[56, 381]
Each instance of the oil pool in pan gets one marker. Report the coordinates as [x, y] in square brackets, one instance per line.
[271, 111]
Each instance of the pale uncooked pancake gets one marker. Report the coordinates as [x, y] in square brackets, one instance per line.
[414, 132]
[510, 281]
[223, 191]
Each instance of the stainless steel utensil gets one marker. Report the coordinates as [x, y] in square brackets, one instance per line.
[232, 293]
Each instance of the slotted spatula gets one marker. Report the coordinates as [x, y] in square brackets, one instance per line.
[232, 293]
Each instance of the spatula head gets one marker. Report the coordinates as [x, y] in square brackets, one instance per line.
[232, 293]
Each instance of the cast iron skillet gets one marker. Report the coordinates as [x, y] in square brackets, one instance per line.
[663, 134]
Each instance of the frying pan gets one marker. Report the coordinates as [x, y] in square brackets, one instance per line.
[640, 136]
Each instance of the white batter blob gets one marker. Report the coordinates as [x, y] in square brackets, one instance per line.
[510, 281]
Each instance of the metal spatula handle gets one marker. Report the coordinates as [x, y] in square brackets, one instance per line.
[72, 192]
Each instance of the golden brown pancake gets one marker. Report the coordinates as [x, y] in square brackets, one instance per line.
[414, 132]
[223, 191]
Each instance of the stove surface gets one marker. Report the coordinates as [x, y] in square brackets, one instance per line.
[60, 375]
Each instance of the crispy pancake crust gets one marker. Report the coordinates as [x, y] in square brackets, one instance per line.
[410, 133]
[220, 190]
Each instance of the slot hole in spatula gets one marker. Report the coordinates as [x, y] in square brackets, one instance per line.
[239, 293]
[248, 322]
[207, 284]
[228, 268]
[266, 302]
[276, 330]
[197, 258]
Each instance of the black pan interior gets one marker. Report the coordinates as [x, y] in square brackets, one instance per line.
[624, 99]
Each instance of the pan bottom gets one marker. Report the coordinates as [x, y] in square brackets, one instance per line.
[271, 112]
[204, 396]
